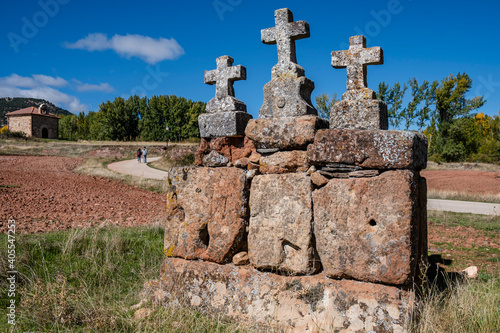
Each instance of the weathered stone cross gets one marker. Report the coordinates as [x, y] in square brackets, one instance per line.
[356, 59]
[224, 76]
[284, 35]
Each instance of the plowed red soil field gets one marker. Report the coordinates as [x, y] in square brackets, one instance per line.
[467, 181]
[42, 193]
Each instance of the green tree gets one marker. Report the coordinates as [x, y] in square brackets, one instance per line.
[451, 102]
[191, 129]
[152, 122]
[68, 127]
[425, 114]
[117, 120]
[324, 104]
[393, 97]
[451, 107]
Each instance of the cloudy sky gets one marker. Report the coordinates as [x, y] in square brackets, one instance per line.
[78, 54]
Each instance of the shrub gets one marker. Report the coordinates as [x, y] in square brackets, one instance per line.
[13, 135]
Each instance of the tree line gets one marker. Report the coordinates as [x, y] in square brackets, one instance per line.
[136, 118]
[441, 110]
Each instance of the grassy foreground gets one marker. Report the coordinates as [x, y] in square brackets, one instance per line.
[86, 281]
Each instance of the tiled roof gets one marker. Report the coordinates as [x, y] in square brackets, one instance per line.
[30, 110]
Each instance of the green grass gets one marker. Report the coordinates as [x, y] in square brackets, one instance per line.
[479, 222]
[471, 306]
[85, 280]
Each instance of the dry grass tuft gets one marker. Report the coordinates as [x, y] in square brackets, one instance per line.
[471, 306]
[456, 195]
[463, 166]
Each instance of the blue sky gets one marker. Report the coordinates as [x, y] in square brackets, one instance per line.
[78, 54]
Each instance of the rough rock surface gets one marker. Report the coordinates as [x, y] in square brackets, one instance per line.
[294, 304]
[214, 159]
[364, 114]
[318, 179]
[369, 149]
[280, 234]
[284, 162]
[233, 148]
[207, 213]
[287, 97]
[222, 124]
[288, 94]
[241, 259]
[284, 133]
[358, 109]
[370, 229]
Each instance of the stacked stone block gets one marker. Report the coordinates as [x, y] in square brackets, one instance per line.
[320, 209]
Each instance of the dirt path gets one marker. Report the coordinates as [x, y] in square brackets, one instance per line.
[42, 193]
[134, 168]
[469, 207]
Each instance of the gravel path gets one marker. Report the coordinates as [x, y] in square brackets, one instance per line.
[464, 207]
[132, 167]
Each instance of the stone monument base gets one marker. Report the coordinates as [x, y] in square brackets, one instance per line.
[366, 114]
[284, 133]
[295, 304]
[231, 123]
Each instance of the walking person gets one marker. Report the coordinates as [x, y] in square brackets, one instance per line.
[144, 154]
[139, 155]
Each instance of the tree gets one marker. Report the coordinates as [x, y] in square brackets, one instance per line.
[426, 113]
[152, 122]
[324, 104]
[451, 107]
[393, 97]
[450, 98]
[135, 118]
[68, 127]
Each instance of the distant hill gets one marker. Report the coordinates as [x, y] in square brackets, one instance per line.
[8, 104]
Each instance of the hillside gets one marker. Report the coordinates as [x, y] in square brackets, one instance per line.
[8, 104]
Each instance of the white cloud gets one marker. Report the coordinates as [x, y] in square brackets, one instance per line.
[104, 87]
[50, 81]
[44, 86]
[93, 42]
[19, 81]
[146, 48]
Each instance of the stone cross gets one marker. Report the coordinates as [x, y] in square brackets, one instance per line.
[359, 108]
[225, 115]
[355, 60]
[284, 35]
[224, 76]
